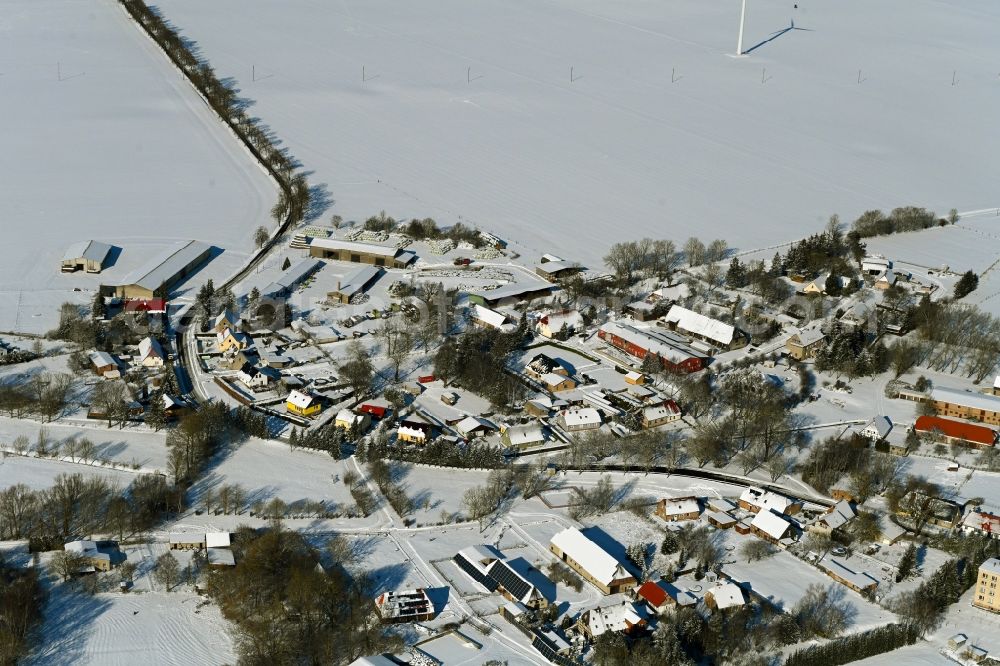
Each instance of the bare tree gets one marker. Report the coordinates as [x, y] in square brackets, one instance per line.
[260, 236]
[167, 570]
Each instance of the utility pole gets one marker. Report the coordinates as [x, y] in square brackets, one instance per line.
[743, 17]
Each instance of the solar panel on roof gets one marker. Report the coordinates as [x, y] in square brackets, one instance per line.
[468, 567]
[509, 579]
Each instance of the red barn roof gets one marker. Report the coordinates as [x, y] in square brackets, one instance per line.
[969, 432]
[146, 305]
[652, 593]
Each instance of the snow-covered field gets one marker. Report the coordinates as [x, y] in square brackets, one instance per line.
[39, 473]
[468, 111]
[106, 141]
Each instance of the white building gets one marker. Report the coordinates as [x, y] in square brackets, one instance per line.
[591, 561]
[550, 325]
[877, 429]
[487, 318]
[724, 596]
[770, 526]
[617, 615]
[757, 499]
[151, 353]
[699, 326]
[575, 420]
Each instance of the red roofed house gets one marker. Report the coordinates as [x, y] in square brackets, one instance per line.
[654, 596]
[374, 408]
[426, 379]
[951, 430]
[981, 522]
[151, 305]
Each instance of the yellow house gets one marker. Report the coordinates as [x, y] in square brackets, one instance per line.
[228, 340]
[302, 404]
[346, 419]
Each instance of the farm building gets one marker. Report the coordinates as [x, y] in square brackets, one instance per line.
[488, 568]
[302, 404]
[700, 327]
[875, 265]
[553, 271]
[966, 405]
[360, 253]
[356, 283]
[591, 561]
[961, 432]
[86, 256]
[157, 277]
[675, 509]
[673, 351]
[189, 541]
[510, 294]
[290, 279]
[473, 426]
[404, 606]
[95, 555]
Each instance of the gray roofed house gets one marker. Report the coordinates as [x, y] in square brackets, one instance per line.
[87, 255]
[291, 278]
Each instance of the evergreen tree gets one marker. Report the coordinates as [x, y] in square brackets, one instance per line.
[966, 284]
[286, 264]
[98, 309]
[736, 275]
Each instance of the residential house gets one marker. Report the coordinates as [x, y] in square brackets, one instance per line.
[771, 526]
[254, 378]
[980, 522]
[575, 420]
[230, 341]
[591, 561]
[755, 499]
[657, 415]
[95, 555]
[414, 429]
[473, 426]
[615, 615]
[877, 429]
[523, 436]
[837, 569]
[151, 353]
[542, 364]
[225, 319]
[805, 343]
[488, 568]
[404, 606]
[956, 432]
[351, 421]
[234, 362]
[889, 532]
[559, 324]
[857, 315]
[556, 382]
[645, 310]
[486, 318]
[886, 280]
[875, 265]
[634, 378]
[654, 596]
[835, 518]
[103, 363]
[675, 509]
[187, 541]
[701, 327]
[720, 519]
[303, 404]
[966, 405]
[987, 587]
[724, 596]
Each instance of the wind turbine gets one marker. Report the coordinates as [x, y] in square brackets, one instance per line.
[743, 18]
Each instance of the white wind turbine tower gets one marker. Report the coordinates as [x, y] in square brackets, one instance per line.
[743, 17]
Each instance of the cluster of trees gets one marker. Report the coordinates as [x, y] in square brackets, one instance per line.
[483, 501]
[763, 280]
[868, 472]
[632, 259]
[294, 200]
[45, 395]
[210, 301]
[286, 609]
[855, 647]
[847, 350]
[76, 505]
[385, 477]
[327, 438]
[598, 500]
[955, 337]
[966, 284]
[907, 218]
[478, 359]
[22, 600]
[826, 251]
[199, 434]
[427, 229]
[76, 328]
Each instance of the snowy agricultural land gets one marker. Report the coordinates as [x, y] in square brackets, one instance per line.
[467, 111]
[107, 141]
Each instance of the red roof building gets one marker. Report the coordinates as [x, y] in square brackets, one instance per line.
[154, 305]
[426, 379]
[653, 594]
[957, 431]
[373, 409]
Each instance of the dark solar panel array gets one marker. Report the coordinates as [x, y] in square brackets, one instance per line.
[477, 575]
[548, 650]
[510, 580]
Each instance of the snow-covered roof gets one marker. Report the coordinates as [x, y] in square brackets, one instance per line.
[770, 523]
[677, 506]
[556, 320]
[663, 343]
[221, 557]
[656, 412]
[529, 433]
[488, 316]
[991, 566]
[765, 499]
[676, 292]
[858, 579]
[512, 290]
[191, 537]
[699, 324]
[149, 347]
[720, 504]
[101, 359]
[86, 548]
[471, 424]
[880, 426]
[299, 399]
[553, 379]
[293, 276]
[809, 335]
[982, 401]
[217, 540]
[411, 432]
[358, 280]
[581, 417]
[727, 595]
[617, 616]
[595, 560]
[633, 376]
[839, 515]
[353, 246]
[166, 265]
[90, 250]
